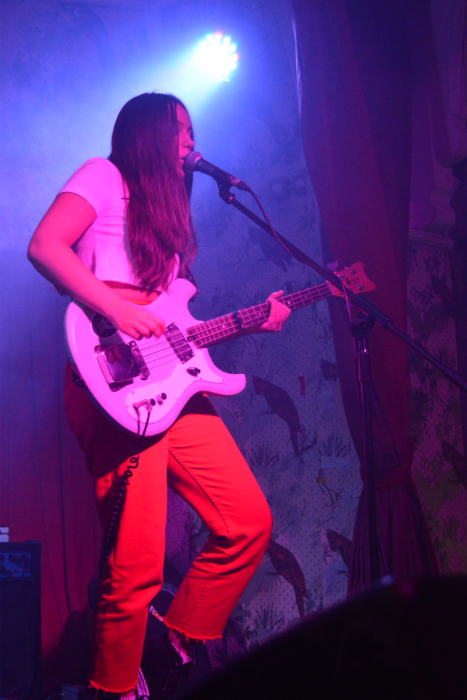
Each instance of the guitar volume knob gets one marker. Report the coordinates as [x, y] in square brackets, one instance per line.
[194, 371]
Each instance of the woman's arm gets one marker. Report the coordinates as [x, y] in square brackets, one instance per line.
[51, 254]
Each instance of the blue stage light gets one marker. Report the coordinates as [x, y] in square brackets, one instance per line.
[216, 56]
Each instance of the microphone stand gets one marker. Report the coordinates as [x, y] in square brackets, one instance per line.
[361, 329]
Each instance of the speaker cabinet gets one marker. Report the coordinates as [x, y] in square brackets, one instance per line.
[20, 620]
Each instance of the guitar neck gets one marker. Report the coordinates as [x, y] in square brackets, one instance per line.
[224, 327]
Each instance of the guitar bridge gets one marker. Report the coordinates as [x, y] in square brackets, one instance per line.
[121, 363]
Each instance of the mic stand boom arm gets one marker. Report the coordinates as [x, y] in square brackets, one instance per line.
[363, 304]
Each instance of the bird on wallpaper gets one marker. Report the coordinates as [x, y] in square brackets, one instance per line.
[271, 251]
[424, 325]
[449, 299]
[329, 369]
[457, 460]
[340, 543]
[288, 567]
[282, 405]
[86, 21]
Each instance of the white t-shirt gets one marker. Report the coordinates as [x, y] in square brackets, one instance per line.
[104, 247]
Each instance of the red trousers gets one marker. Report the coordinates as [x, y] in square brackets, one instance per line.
[199, 460]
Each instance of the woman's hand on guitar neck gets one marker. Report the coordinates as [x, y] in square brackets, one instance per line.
[278, 313]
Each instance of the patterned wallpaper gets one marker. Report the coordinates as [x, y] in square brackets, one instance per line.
[439, 466]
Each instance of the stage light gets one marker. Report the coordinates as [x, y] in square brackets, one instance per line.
[216, 56]
[193, 73]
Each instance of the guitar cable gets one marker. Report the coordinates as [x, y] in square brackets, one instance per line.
[114, 522]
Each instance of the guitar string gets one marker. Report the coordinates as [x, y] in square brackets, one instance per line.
[220, 327]
[227, 326]
[249, 317]
[228, 323]
[204, 334]
[154, 364]
[209, 334]
[169, 350]
[224, 325]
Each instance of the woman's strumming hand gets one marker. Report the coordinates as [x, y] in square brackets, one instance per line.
[135, 321]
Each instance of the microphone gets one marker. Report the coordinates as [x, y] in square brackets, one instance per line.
[195, 161]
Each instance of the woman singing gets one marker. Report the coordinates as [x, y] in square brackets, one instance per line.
[120, 230]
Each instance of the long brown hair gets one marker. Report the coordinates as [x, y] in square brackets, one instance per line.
[145, 150]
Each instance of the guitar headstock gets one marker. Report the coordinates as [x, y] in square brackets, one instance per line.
[355, 279]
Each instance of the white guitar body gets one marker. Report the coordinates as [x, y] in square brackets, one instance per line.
[150, 380]
[176, 369]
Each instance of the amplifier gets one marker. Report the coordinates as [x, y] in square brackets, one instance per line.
[20, 620]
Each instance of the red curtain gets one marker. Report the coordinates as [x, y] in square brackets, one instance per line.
[46, 492]
[356, 67]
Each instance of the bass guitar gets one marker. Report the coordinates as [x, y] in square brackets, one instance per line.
[147, 382]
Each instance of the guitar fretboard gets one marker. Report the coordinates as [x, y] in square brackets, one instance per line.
[223, 327]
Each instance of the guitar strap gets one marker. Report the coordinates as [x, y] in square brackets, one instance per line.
[78, 380]
[114, 522]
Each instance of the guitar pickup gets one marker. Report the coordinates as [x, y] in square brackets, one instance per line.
[121, 363]
[178, 343]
